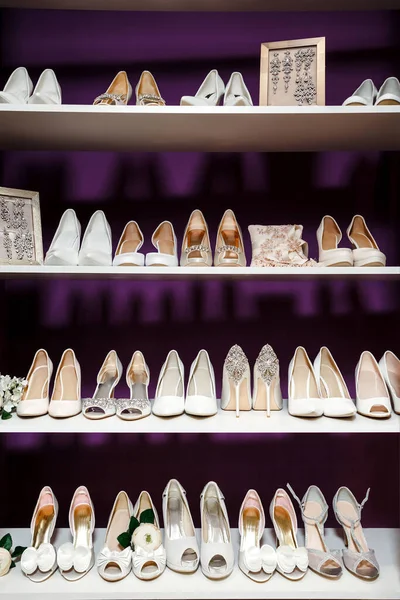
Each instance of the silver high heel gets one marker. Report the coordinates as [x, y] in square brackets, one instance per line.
[137, 379]
[102, 404]
[236, 393]
[267, 393]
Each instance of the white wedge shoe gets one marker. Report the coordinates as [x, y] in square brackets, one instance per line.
[47, 90]
[164, 240]
[365, 249]
[96, 244]
[64, 248]
[179, 533]
[114, 562]
[35, 399]
[389, 93]
[149, 557]
[66, 398]
[364, 95]
[102, 403]
[329, 237]
[18, 88]
[229, 247]
[332, 387]
[137, 380]
[77, 558]
[39, 560]
[390, 369]
[201, 400]
[216, 553]
[236, 394]
[304, 398]
[236, 92]
[170, 393]
[210, 93]
[372, 395]
[127, 253]
[267, 393]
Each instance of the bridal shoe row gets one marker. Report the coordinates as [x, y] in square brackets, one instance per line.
[19, 88]
[134, 540]
[367, 94]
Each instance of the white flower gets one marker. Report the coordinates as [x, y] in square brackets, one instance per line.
[147, 536]
[5, 561]
[8, 406]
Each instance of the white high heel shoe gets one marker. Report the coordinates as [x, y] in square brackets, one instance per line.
[137, 380]
[164, 240]
[39, 560]
[256, 561]
[329, 237]
[236, 394]
[365, 249]
[149, 558]
[127, 253]
[372, 395]
[389, 92]
[115, 562]
[179, 533]
[292, 560]
[66, 398]
[267, 393]
[64, 248]
[77, 558]
[304, 398]
[210, 93]
[96, 244]
[229, 247]
[18, 88]
[236, 92]
[170, 395]
[216, 551]
[102, 404]
[390, 369]
[332, 386]
[201, 400]
[364, 95]
[47, 90]
[35, 399]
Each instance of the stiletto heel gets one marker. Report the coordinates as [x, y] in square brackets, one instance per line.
[35, 399]
[236, 393]
[137, 379]
[372, 394]
[196, 247]
[229, 247]
[304, 397]
[170, 393]
[114, 562]
[332, 386]
[267, 393]
[102, 404]
[66, 398]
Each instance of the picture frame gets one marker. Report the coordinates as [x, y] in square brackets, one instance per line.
[292, 73]
[20, 228]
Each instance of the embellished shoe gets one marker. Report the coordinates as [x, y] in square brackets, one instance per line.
[267, 393]
[210, 93]
[314, 511]
[229, 248]
[358, 558]
[118, 93]
[201, 400]
[96, 249]
[365, 249]
[47, 90]
[164, 240]
[18, 88]
[114, 562]
[102, 404]
[196, 246]
[137, 379]
[170, 393]
[329, 237]
[304, 397]
[236, 393]
[35, 398]
[149, 558]
[236, 92]
[147, 92]
[64, 248]
[66, 398]
[127, 253]
[332, 387]
[372, 395]
[390, 369]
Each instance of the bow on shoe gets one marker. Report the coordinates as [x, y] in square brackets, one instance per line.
[289, 558]
[42, 558]
[141, 557]
[263, 558]
[123, 559]
[69, 557]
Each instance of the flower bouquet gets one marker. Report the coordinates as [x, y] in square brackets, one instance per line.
[11, 390]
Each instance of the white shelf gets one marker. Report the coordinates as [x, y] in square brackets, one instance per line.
[171, 585]
[186, 128]
[254, 422]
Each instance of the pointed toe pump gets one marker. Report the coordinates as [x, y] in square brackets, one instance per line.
[137, 379]
[196, 246]
[35, 399]
[364, 95]
[292, 560]
[18, 88]
[229, 248]
[210, 93]
[236, 92]
[256, 561]
[365, 249]
[147, 92]
[96, 248]
[236, 394]
[127, 253]
[76, 558]
[216, 552]
[149, 558]
[329, 237]
[164, 240]
[358, 558]
[390, 369]
[102, 404]
[201, 400]
[372, 394]
[114, 562]
[389, 93]
[118, 93]
[179, 533]
[314, 511]
[47, 90]
[304, 397]
[332, 386]
[267, 393]
[66, 398]
[39, 560]
[64, 248]
[170, 395]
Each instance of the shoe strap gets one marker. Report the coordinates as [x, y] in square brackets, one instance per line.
[319, 520]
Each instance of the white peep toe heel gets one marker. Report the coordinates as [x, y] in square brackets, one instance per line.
[149, 558]
[137, 379]
[390, 369]
[102, 403]
[372, 395]
[114, 562]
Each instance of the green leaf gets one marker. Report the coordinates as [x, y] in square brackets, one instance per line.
[18, 550]
[124, 539]
[147, 516]
[6, 415]
[12, 565]
[6, 542]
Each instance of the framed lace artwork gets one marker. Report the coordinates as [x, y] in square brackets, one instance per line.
[292, 73]
[20, 228]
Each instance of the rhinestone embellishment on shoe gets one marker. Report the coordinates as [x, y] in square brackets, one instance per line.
[103, 403]
[236, 364]
[151, 99]
[267, 364]
[140, 404]
[228, 248]
[198, 248]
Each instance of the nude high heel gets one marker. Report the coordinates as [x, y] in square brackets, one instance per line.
[236, 393]
[365, 249]
[267, 393]
[196, 246]
[127, 253]
[137, 379]
[35, 398]
[118, 92]
[147, 92]
[229, 248]
[66, 399]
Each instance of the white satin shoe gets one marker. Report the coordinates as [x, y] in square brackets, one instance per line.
[127, 253]
[39, 560]
[389, 92]
[210, 93]
[201, 400]
[267, 394]
[170, 395]
[115, 562]
[236, 92]
[164, 240]
[66, 398]
[137, 380]
[149, 558]
[372, 395]
[365, 249]
[18, 88]
[35, 399]
[64, 248]
[236, 394]
[47, 90]
[77, 558]
[304, 398]
[390, 369]
[332, 386]
[329, 237]
[102, 403]
[179, 532]
[96, 244]
[364, 95]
